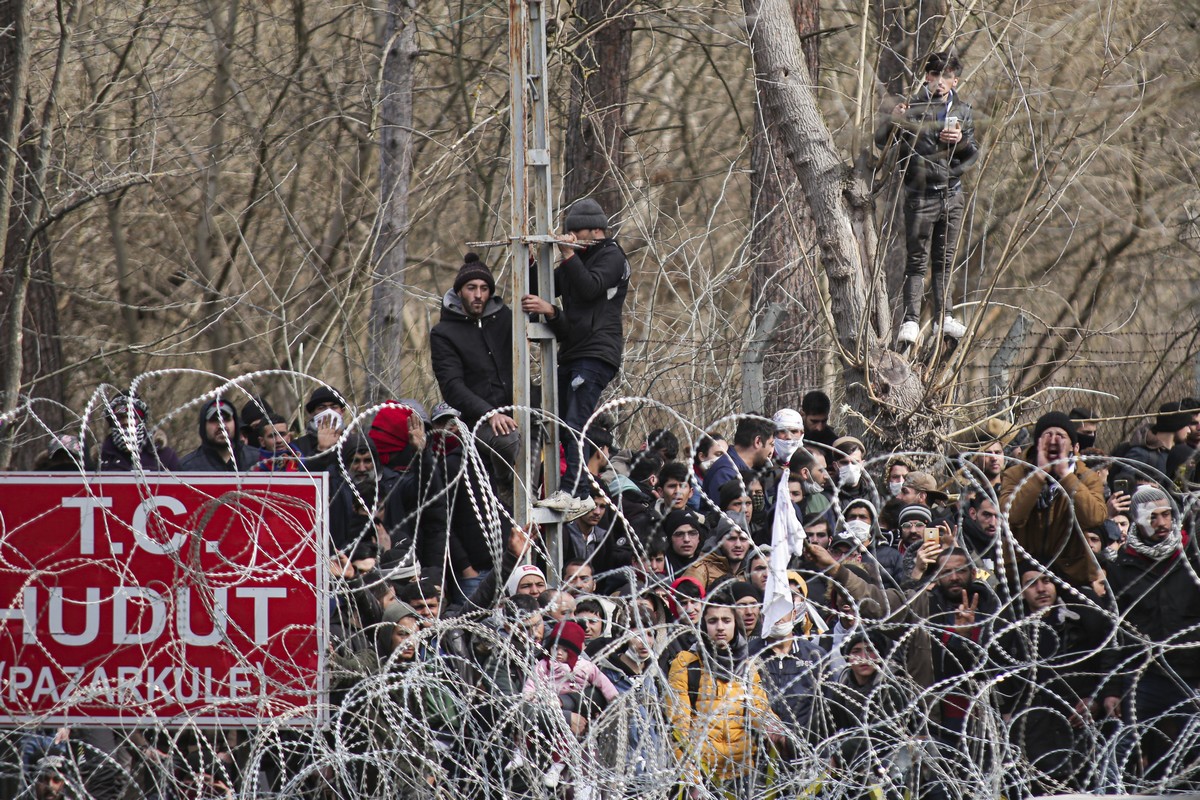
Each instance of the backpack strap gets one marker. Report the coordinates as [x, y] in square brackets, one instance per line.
[694, 669]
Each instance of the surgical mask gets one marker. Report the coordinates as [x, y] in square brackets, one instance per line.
[860, 530]
[850, 474]
[707, 463]
[811, 487]
[784, 449]
[895, 486]
[780, 629]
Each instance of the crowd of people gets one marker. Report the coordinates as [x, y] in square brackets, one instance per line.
[1019, 616]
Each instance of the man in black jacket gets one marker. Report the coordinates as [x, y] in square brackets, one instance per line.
[935, 133]
[1156, 668]
[220, 450]
[472, 353]
[592, 284]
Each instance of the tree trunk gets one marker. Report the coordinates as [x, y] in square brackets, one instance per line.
[395, 172]
[879, 384]
[30, 347]
[594, 156]
[781, 237]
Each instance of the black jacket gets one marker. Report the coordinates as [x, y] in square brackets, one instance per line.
[930, 165]
[1160, 607]
[592, 284]
[473, 358]
[210, 455]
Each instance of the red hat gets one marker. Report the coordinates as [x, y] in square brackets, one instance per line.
[569, 635]
[389, 430]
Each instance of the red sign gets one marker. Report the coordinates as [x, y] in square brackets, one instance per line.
[166, 598]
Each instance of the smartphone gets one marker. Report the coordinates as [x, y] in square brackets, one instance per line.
[1123, 485]
[952, 123]
[933, 534]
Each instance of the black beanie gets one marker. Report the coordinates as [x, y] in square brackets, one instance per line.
[1170, 419]
[584, 215]
[474, 270]
[1055, 419]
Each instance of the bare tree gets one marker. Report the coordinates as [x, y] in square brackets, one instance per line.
[387, 329]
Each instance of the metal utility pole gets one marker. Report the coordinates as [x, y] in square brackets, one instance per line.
[532, 199]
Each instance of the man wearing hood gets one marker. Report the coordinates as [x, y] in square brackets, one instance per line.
[128, 436]
[353, 490]
[1052, 499]
[220, 450]
[935, 134]
[1156, 668]
[862, 521]
[471, 350]
[326, 409]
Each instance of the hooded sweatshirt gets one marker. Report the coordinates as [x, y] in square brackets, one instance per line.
[214, 455]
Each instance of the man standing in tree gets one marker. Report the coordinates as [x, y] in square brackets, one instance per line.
[935, 133]
[592, 283]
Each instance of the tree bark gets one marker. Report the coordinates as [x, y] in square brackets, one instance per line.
[386, 347]
[594, 156]
[879, 385]
[781, 237]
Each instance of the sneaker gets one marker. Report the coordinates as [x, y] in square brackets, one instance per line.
[908, 333]
[553, 775]
[571, 508]
[953, 328]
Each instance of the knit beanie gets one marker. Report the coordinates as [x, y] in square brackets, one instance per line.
[322, 395]
[569, 635]
[740, 589]
[683, 516]
[913, 512]
[584, 215]
[1146, 495]
[514, 580]
[1139, 542]
[1055, 419]
[1170, 419]
[389, 431]
[474, 270]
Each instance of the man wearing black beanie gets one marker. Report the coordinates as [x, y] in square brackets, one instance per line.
[472, 354]
[1053, 499]
[591, 283]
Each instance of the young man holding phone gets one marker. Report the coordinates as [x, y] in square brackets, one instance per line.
[935, 133]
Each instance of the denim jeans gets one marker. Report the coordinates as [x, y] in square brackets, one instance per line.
[932, 224]
[580, 383]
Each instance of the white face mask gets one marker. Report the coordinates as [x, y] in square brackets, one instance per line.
[780, 629]
[850, 474]
[895, 486]
[707, 463]
[784, 449]
[860, 530]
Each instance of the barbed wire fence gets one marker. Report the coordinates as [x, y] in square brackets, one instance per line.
[447, 712]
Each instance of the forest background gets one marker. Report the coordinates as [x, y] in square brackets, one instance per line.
[194, 187]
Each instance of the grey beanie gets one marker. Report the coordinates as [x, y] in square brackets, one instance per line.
[584, 215]
[397, 611]
[1146, 494]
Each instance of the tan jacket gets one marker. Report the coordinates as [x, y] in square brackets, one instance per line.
[1054, 535]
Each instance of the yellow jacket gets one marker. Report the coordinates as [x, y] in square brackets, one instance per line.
[716, 738]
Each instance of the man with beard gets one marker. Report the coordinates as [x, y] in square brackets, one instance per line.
[1157, 668]
[353, 492]
[1059, 690]
[809, 465]
[129, 436]
[935, 134]
[980, 528]
[1052, 499]
[966, 621]
[220, 448]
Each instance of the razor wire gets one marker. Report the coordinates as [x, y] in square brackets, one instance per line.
[449, 708]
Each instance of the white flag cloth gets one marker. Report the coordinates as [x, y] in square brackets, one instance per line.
[787, 537]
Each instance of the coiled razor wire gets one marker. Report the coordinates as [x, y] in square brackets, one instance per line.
[453, 722]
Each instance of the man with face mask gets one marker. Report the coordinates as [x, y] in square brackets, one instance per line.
[1154, 586]
[853, 482]
[789, 434]
[220, 448]
[129, 436]
[809, 465]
